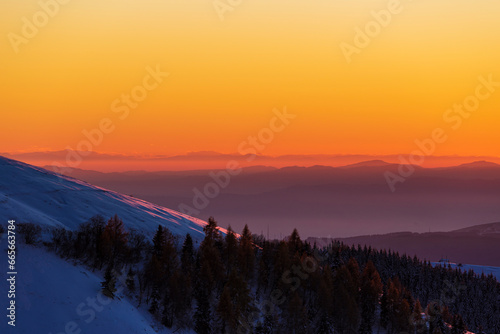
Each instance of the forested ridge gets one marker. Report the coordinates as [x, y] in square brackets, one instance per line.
[246, 284]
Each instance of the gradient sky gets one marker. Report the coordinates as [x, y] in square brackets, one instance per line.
[227, 76]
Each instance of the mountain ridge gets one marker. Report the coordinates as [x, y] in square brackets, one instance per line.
[476, 244]
[33, 194]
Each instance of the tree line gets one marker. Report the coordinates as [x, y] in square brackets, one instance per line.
[244, 283]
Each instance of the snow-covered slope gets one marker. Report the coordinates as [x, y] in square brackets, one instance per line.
[487, 270]
[490, 230]
[33, 194]
[54, 296]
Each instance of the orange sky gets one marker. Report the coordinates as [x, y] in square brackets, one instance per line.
[226, 76]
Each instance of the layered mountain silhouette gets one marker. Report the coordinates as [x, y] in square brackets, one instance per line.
[479, 244]
[323, 201]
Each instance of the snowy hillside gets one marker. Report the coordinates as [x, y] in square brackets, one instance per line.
[53, 296]
[32, 194]
[487, 270]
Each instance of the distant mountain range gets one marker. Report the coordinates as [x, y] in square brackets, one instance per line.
[215, 160]
[479, 244]
[325, 201]
[321, 201]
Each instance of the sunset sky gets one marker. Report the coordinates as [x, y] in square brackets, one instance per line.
[227, 76]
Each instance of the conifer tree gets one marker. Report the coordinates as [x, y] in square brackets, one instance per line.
[154, 306]
[230, 250]
[326, 298]
[384, 307]
[168, 311]
[187, 256]
[115, 235]
[371, 288]
[211, 230]
[246, 254]
[175, 302]
[282, 263]
[225, 311]
[109, 283]
[346, 308]
[159, 240]
[239, 299]
[202, 315]
[212, 268]
[417, 323]
[294, 242]
[436, 322]
[354, 285]
[164, 260]
[95, 228]
[186, 278]
[130, 281]
[264, 269]
[296, 317]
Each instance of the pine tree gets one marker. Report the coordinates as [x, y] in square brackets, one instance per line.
[159, 240]
[436, 322]
[225, 311]
[212, 234]
[246, 254]
[282, 263]
[238, 300]
[95, 227]
[168, 311]
[326, 299]
[114, 239]
[402, 316]
[154, 306]
[187, 256]
[130, 281]
[346, 308]
[164, 260]
[202, 315]
[230, 250]
[384, 307]
[212, 268]
[296, 315]
[175, 307]
[186, 277]
[109, 283]
[264, 270]
[371, 288]
[417, 323]
[355, 282]
[294, 242]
